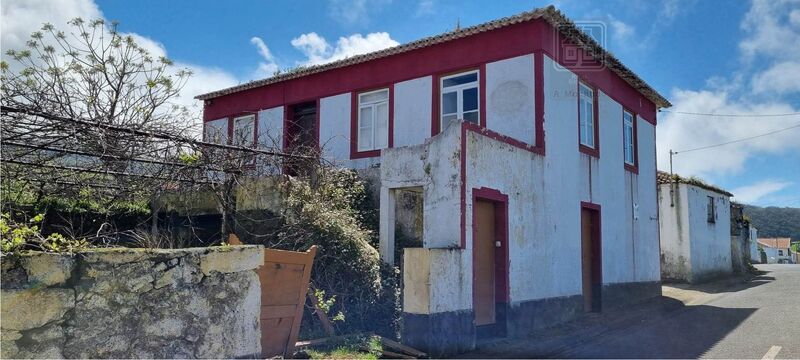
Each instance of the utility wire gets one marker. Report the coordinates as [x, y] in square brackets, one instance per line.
[728, 115]
[739, 140]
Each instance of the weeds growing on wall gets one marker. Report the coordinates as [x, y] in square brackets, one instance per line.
[334, 213]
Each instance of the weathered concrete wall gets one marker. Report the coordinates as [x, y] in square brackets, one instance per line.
[509, 98]
[412, 111]
[132, 303]
[755, 255]
[674, 232]
[692, 248]
[710, 242]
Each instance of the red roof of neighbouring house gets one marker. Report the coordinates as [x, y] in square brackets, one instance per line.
[549, 14]
[776, 243]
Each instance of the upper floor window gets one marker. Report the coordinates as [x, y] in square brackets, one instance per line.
[587, 119]
[628, 138]
[711, 208]
[216, 131]
[373, 120]
[459, 98]
[244, 131]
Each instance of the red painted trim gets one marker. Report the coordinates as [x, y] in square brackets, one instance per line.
[354, 153]
[466, 127]
[502, 262]
[635, 167]
[595, 119]
[503, 43]
[590, 205]
[482, 95]
[436, 116]
[538, 84]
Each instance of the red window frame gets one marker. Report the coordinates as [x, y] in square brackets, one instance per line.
[436, 116]
[354, 153]
[634, 168]
[595, 119]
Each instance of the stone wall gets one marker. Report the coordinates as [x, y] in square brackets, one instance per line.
[132, 303]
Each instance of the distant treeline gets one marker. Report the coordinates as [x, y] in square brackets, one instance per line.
[775, 221]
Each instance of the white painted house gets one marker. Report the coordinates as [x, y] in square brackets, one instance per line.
[695, 232]
[533, 152]
[778, 250]
[755, 254]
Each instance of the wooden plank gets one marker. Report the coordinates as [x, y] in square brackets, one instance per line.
[286, 257]
[301, 295]
[404, 348]
[278, 311]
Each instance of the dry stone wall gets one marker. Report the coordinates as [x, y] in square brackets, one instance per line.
[132, 303]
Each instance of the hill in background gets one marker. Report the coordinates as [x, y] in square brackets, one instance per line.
[775, 221]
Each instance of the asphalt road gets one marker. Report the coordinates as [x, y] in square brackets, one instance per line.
[755, 319]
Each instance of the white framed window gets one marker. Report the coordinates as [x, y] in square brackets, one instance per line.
[216, 131]
[587, 120]
[629, 144]
[373, 120]
[244, 128]
[459, 98]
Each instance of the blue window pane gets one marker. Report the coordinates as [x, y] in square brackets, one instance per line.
[470, 99]
[458, 80]
[449, 103]
[471, 117]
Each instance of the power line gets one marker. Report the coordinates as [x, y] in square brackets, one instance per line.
[738, 140]
[729, 115]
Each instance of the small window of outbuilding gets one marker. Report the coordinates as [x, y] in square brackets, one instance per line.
[712, 210]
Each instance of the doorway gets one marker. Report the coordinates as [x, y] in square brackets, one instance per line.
[591, 257]
[490, 262]
[301, 127]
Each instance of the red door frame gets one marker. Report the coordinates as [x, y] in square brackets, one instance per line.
[597, 253]
[501, 260]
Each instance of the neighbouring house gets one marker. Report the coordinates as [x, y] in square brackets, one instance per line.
[694, 227]
[530, 151]
[755, 254]
[777, 250]
[743, 238]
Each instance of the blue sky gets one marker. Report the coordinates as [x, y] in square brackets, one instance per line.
[710, 56]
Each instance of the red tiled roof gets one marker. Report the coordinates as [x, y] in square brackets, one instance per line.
[549, 14]
[777, 243]
[665, 178]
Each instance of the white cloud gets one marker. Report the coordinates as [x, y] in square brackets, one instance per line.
[752, 193]
[318, 51]
[783, 77]
[769, 36]
[22, 17]
[621, 30]
[425, 7]
[684, 132]
[269, 66]
[355, 12]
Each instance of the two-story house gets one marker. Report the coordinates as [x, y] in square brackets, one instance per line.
[533, 151]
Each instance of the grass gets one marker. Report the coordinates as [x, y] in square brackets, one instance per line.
[362, 348]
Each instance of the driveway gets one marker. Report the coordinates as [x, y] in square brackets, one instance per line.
[734, 318]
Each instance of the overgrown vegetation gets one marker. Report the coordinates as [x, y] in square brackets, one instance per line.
[353, 347]
[16, 236]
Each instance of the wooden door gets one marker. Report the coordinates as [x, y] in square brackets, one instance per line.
[284, 285]
[484, 277]
[591, 262]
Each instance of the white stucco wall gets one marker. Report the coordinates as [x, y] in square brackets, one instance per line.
[647, 266]
[674, 232]
[755, 256]
[270, 128]
[334, 127]
[693, 249]
[510, 98]
[710, 242]
[774, 258]
[412, 111]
